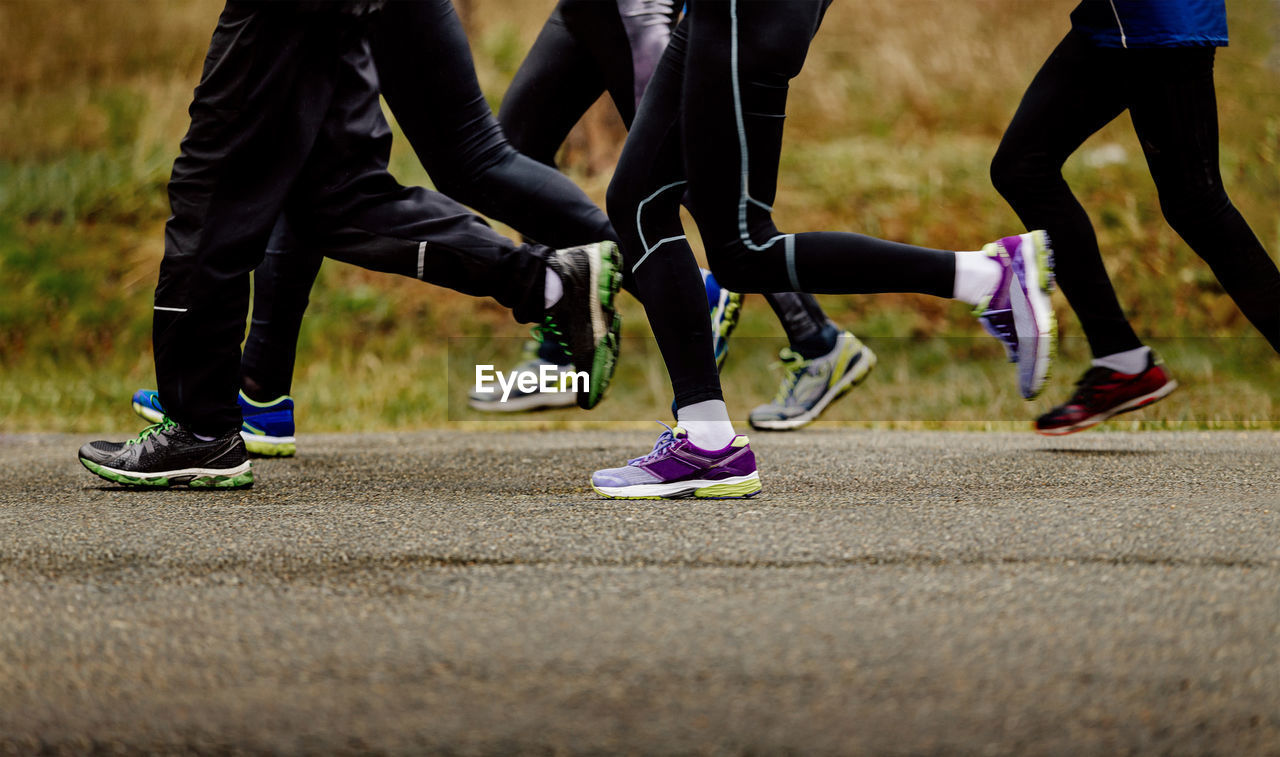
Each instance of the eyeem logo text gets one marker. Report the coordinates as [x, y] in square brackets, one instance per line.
[548, 379]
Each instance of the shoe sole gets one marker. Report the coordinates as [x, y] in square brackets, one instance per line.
[257, 444]
[1136, 403]
[269, 446]
[239, 477]
[1030, 300]
[847, 382]
[606, 280]
[738, 487]
[540, 401]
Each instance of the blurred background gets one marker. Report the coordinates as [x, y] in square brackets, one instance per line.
[891, 129]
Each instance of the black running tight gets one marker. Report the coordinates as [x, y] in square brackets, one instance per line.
[588, 47]
[711, 124]
[427, 75]
[1169, 94]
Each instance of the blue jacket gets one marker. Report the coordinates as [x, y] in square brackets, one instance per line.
[1152, 23]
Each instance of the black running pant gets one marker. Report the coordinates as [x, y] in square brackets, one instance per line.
[427, 74]
[279, 123]
[1169, 94]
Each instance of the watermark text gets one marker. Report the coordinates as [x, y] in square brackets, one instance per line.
[549, 379]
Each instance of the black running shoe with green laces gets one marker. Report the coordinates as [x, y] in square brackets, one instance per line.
[585, 320]
[166, 455]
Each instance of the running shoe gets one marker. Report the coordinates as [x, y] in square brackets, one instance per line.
[1019, 312]
[676, 469]
[1102, 393]
[490, 399]
[809, 386]
[166, 455]
[584, 319]
[726, 308]
[267, 427]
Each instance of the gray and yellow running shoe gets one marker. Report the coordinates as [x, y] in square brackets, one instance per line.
[809, 386]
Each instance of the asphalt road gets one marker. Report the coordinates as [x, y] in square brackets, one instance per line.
[889, 593]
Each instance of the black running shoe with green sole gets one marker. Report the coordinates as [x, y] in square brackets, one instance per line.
[166, 455]
[585, 319]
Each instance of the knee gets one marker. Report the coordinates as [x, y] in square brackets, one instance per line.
[780, 46]
[456, 173]
[1014, 171]
[464, 161]
[626, 199]
[730, 264]
[1188, 206]
[455, 185]
[619, 199]
[620, 204]
[471, 177]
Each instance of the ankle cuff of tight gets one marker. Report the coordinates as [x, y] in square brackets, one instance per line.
[260, 392]
[694, 398]
[818, 344]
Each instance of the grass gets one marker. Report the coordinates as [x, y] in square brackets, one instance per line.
[891, 129]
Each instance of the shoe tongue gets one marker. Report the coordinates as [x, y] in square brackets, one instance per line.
[1096, 374]
[680, 433]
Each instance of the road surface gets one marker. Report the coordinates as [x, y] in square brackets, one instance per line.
[889, 593]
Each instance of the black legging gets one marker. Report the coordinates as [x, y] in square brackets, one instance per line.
[285, 120]
[428, 78]
[585, 49]
[582, 51]
[711, 122]
[1169, 94]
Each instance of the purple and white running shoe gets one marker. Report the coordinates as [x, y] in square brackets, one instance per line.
[1019, 313]
[675, 469]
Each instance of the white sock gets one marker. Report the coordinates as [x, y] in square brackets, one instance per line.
[708, 424]
[552, 289]
[977, 277]
[1129, 361]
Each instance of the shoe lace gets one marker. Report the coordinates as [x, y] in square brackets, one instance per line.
[1090, 385]
[531, 348]
[1001, 329]
[793, 366]
[665, 441]
[165, 424]
[549, 328]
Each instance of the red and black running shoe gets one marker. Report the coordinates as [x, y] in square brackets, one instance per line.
[1102, 393]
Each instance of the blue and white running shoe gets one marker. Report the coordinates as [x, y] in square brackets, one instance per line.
[267, 428]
